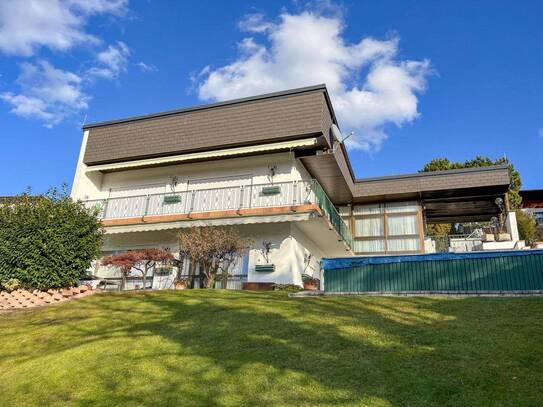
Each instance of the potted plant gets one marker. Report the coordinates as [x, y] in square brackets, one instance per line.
[181, 283]
[310, 283]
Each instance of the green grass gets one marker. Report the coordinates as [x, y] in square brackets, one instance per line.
[224, 348]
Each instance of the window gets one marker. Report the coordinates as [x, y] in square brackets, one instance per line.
[366, 227]
[402, 225]
[539, 218]
[387, 228]
[369, 246]
[345, 213]
[403, 245]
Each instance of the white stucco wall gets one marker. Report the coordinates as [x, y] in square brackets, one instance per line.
[210, 174]
[85, 185]
[289, 251]
[511, 226]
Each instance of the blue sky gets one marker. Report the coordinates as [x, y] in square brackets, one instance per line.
[414, 80]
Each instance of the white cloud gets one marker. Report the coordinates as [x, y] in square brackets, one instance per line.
[28, 107]
[370, 87]
[146, 67]
[255, 23]
[112, 61]
[26, 25]
[47, 93]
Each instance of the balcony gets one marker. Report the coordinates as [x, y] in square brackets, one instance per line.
[241, 200]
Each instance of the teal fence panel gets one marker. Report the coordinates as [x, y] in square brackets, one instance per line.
[475, 272]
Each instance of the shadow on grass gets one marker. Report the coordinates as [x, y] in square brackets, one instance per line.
[240, 348]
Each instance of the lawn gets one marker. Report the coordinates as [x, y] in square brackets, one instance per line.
[225, 348]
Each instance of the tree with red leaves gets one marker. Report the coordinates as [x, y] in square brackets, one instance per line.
[143, 260]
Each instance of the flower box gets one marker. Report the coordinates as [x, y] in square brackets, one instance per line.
[265, 268]
[275, 190]
[172, 199]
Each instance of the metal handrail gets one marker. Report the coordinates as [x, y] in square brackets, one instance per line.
[209, 199]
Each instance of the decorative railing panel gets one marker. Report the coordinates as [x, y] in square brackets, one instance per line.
[223, 199]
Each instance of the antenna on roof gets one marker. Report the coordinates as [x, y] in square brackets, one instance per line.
[339, 138]
[84, 119]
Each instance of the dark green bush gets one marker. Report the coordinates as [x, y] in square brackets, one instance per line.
[46, 241]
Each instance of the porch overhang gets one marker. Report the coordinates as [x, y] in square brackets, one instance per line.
[464, 195]
[111, 229]
[463, 206]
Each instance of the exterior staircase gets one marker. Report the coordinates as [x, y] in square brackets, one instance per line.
[20, 298]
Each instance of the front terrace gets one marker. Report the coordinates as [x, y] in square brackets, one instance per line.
[281, 199]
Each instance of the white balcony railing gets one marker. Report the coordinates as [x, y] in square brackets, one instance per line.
[222, 199]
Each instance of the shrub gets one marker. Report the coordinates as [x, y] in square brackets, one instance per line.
[47, 241]
[12, 284]
[287, 287]
[527, 227]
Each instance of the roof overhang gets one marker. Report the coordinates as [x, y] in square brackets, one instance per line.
[462, 207]
[464, 195]
[532, 198]
[325, 169]
[493, 180]
[206, 155]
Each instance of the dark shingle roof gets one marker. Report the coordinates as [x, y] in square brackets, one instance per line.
[261, 119]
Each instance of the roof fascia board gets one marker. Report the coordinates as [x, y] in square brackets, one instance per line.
[434, 173]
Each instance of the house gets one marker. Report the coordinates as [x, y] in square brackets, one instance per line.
[532, 202]
[276, 167]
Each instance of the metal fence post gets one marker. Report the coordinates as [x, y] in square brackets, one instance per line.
[241, 194]
[104, 208]
[146, 205]
[192, 200]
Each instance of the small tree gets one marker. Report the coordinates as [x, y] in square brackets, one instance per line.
[527, 227]
[143, 260]
[215, 248]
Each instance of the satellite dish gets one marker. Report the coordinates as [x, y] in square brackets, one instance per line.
[337, 134]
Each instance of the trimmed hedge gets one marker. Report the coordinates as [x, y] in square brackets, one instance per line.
[46, 241]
